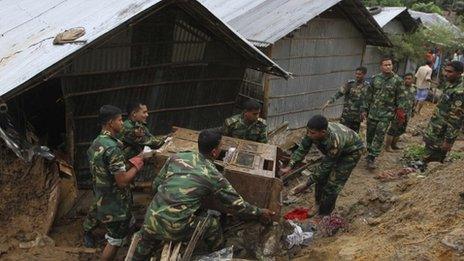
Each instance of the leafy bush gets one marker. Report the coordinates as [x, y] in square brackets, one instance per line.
[414, 153]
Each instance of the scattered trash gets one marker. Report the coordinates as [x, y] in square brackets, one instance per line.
[70, 36]
[418, 164]
[372, 221]
[329, 225]
[394, 174]
[224, 254]
[455, 239]
[298, 237]
[297, 214]
[290, 200]
[40, 241]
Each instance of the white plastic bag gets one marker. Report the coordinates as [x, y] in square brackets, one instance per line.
[298, 237]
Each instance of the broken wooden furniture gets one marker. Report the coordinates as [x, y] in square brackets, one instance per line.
[251, 167]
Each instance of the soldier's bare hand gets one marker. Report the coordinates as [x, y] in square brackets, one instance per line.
[266, 216]
[446, 146]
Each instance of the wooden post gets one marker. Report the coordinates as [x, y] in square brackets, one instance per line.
[266, 86]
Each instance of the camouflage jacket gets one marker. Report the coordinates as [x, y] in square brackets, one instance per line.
[106, 160]
[385, 94]
[409, 97]
[236, 127]
[340, 141]
[135, 136]
[448, 116]
[353, 93]
[186, 179]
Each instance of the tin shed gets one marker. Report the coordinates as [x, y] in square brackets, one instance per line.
[320, 41]
[394, 21]
[186, 64]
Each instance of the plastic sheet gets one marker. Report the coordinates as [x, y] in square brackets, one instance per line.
[298, 237]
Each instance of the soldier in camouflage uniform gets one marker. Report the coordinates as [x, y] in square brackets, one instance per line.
[397, 129]
[135, 134]
[111, 179]
[248, 125]
[342, 148]
[185, 180]
[447, 119]
[382, 102]
[352, 93]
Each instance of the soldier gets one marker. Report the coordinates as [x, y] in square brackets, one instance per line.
[185, 180]
[135, 134]
[447, 119]
[247, 125]
[342, 148]
[352, 93]
[397, 129]
[112, 195]
[382, 103]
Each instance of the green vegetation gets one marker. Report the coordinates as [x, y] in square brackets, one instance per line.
[413, 45]
[413, 153]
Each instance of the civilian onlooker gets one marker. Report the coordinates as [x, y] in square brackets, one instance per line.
[423, 79]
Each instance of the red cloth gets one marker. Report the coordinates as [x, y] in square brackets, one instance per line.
[297, 214]
[400, 115]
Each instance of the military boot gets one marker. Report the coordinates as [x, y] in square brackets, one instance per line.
[394, 144]
[89, 239]
[370, 163]
[388, 143]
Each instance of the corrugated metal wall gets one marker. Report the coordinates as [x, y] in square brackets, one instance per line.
[322, 55]
[373, 54]
[167, 61]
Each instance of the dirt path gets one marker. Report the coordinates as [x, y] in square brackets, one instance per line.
[404, 219]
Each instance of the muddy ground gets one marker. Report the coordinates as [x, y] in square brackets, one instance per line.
[404, 219]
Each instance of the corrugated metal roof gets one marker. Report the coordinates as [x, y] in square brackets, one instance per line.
[387, 14]
[28, 27]
[267, 21]
[434, 19]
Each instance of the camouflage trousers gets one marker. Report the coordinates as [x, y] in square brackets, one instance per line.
[350, 122]
[91, 222]
[150, 241]
[330, 178]
[396, 129]
[433, 151]
[375, 136]
[116, 231]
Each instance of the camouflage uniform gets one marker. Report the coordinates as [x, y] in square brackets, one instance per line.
[111, 204]
[446, 121]
[353, 93]
[186, 179]
[236, 127]
[342, 149]
[385, 94]
[396, 129]
[133, 142]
